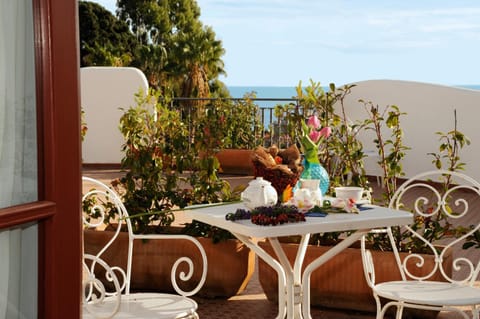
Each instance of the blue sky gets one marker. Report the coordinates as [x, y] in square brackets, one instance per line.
[282, 42]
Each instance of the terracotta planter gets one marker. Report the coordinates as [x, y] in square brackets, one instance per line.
[235, 161]
[340, 282]
[230, 263]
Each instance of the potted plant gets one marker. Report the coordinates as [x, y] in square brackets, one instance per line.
[345, 272]
[340, 282]
[242, 133]
[342, 153]
[156, 185]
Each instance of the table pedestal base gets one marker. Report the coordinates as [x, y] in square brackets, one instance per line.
[293, 285]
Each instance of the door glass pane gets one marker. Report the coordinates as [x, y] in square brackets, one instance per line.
[18, 272]
[18, 140]
[18, 158]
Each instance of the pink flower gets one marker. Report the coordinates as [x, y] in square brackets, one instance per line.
[325, 132]
[315, 136]
[313, 121]
[312, 134]
[347, 205]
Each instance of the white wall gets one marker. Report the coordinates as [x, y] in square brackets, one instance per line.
[430, 109]
[103, 91]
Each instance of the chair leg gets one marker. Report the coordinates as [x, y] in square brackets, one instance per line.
[381, 314]
[192, 315]
[399, 311]
[475, 312]
[379, 309]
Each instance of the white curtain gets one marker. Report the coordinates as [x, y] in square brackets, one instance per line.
[18, 158]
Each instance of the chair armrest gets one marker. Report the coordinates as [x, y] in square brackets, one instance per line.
[184, 276]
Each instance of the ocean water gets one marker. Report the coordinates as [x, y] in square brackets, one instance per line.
[283, 92]
[471, 86]
[263, 91]
[274, 92]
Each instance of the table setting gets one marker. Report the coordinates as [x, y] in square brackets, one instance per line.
[261, 216]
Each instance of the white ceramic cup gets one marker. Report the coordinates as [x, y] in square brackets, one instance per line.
[311, 184]
[351, 192]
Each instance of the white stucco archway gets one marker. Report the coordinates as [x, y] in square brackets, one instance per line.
[104, 90]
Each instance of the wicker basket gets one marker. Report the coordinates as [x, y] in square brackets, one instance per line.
[278, 178]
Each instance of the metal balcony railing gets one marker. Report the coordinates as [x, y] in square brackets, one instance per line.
[273, 129]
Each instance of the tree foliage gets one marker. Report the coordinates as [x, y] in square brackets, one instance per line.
[164, 39]
[183, 54]
[104, 40]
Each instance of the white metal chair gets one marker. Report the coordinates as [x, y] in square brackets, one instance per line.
[107, 288]
[436, 198]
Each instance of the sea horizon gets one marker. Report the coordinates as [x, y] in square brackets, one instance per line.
[281, 92]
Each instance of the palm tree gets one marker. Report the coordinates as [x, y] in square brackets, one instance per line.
[178, 53]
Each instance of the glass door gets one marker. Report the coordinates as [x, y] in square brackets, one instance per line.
[18, 159]
[40, 225]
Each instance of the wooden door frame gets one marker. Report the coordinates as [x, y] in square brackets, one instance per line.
[58, 209]
[59, 149]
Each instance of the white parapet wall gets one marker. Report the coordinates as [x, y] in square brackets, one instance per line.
[429, 109]
[104, 91]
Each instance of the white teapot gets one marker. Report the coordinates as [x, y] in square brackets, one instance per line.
[259, 193]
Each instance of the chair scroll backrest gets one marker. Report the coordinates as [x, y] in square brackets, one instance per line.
[444, 205]
[98, 201]
[95, 203]
[95, 291]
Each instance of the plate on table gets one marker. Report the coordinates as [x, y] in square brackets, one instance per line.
[358, 203]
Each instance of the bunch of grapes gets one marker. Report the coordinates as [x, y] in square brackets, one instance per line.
[264, 220]
[269, 215]
[276, 215]
[239, 214]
